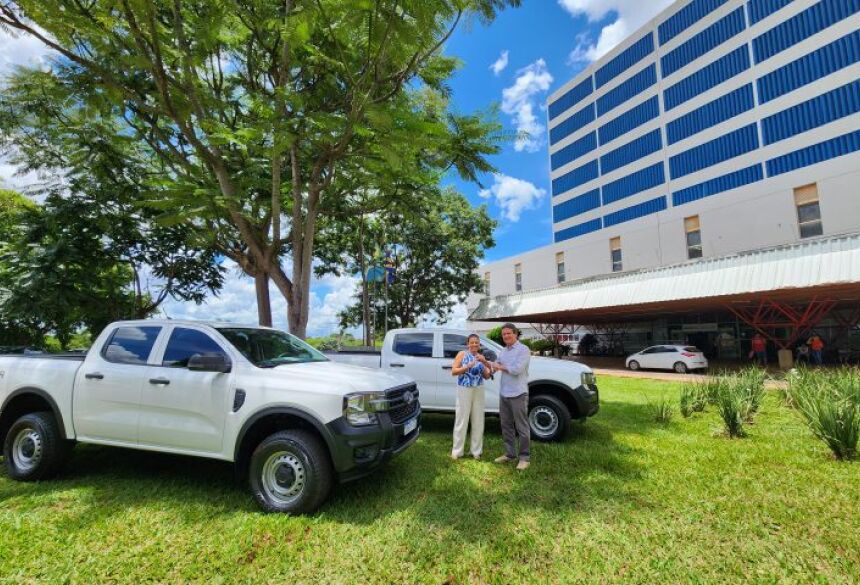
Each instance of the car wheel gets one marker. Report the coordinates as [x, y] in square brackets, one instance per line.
[34, 447]
[549, 418]
[633, 365]
[680, 367]
[290, 473]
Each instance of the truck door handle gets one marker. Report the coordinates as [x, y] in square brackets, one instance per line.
[397, 365]
[94, 376]
[447, 367]
[159, 381]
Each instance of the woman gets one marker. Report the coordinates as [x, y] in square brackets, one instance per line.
[471, 369]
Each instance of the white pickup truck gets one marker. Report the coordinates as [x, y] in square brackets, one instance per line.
[290, 419]
[559, 390]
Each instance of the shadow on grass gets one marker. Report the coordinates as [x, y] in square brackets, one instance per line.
[588, 470]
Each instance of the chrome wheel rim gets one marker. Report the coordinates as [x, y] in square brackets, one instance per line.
[544, 421]
[27, 449]
[680, 368]
[284, 477]
[634, 365]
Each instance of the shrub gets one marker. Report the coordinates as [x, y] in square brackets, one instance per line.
[830, 404]
[662, 410]
[685, 402]
[495, 334]
[731, 404]
[750, 386]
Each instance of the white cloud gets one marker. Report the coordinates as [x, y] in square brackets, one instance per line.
[237, 303]
[518, 102]
[500, 63]
[629, 16]
[513, 195]
[21, 49]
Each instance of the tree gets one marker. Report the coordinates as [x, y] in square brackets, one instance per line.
[438, 242]
[257, 107]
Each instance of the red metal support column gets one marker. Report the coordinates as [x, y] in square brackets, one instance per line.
[771, 315]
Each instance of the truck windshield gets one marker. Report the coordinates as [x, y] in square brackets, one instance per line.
[267, 348]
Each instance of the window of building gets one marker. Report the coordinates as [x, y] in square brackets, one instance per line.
[487, 283]
[615, 254]
[559, 267]
[808, 211]
[518, 277]
[694, 237]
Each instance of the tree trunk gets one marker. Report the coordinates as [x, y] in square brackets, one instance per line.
[264, 305]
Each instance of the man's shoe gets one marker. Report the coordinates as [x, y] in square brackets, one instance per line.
[522, 465]
[454, 457]
[503, 459]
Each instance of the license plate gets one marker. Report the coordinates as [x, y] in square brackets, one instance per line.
[410, 426]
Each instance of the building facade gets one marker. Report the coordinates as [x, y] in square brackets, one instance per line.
[720, 126]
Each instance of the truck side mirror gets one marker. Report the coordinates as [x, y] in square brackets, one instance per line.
[210, 363]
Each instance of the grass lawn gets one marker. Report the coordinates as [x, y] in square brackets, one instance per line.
[625, 499]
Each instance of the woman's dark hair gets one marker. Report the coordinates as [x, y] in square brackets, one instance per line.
[475, 335]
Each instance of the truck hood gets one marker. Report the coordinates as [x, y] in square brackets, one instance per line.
[552, 368]
[341, 378]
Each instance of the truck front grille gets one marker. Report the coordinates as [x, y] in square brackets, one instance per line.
[404, 403]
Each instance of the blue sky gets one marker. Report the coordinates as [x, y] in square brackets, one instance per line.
[546, 43]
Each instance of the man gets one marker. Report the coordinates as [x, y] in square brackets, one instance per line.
[513, 362]
[759, 347]
[816, 344]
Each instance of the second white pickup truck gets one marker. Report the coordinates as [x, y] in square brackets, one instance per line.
[559, 390]
[292, 421]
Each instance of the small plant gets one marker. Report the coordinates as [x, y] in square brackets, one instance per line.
[702, 395]
[731, 405]
[750, 386]
[686, 400]
[662, 410]
[830, 404]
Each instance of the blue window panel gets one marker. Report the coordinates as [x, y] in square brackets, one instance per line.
[641, 114]
[836, 147]
[575, 206]
[686, 17]
[630, 152]
[812, 67]
[626, 90]
[574, 150]
[705, 78]
[802, 26]
[635, 211]
[713, 36]
[575, 178]
[761, 9]
[716, 112]
[639, 181]
[625, 60]
[833, 105]
[722, 184]
[714, 152]
[570, 125]
[571, 98]
[578, 230]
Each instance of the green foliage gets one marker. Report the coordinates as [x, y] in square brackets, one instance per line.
[750, 382]
[495, 334]
[830, 404]
[334, 342]
[256, 119]
[686, 400]
[540, 344]
[662, 409]
[438, 240]
[731, 404]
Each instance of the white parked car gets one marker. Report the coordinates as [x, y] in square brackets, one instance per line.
[680, 358]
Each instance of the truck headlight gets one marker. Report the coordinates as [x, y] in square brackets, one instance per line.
[588, 378]
[360, 409]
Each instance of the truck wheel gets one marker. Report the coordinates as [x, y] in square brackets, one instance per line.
[290, 473]
[34, 448]
[549, 418]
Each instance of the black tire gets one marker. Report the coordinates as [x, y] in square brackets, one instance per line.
[290, 473]
[34, 448]
[549, 418]
[633, 365]
[680, 367]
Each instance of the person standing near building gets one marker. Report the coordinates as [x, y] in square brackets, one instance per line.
[759, 347]
[816, 346]
[471, 369]
[513, 362]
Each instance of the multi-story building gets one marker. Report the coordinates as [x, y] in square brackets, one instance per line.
[721, 126]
